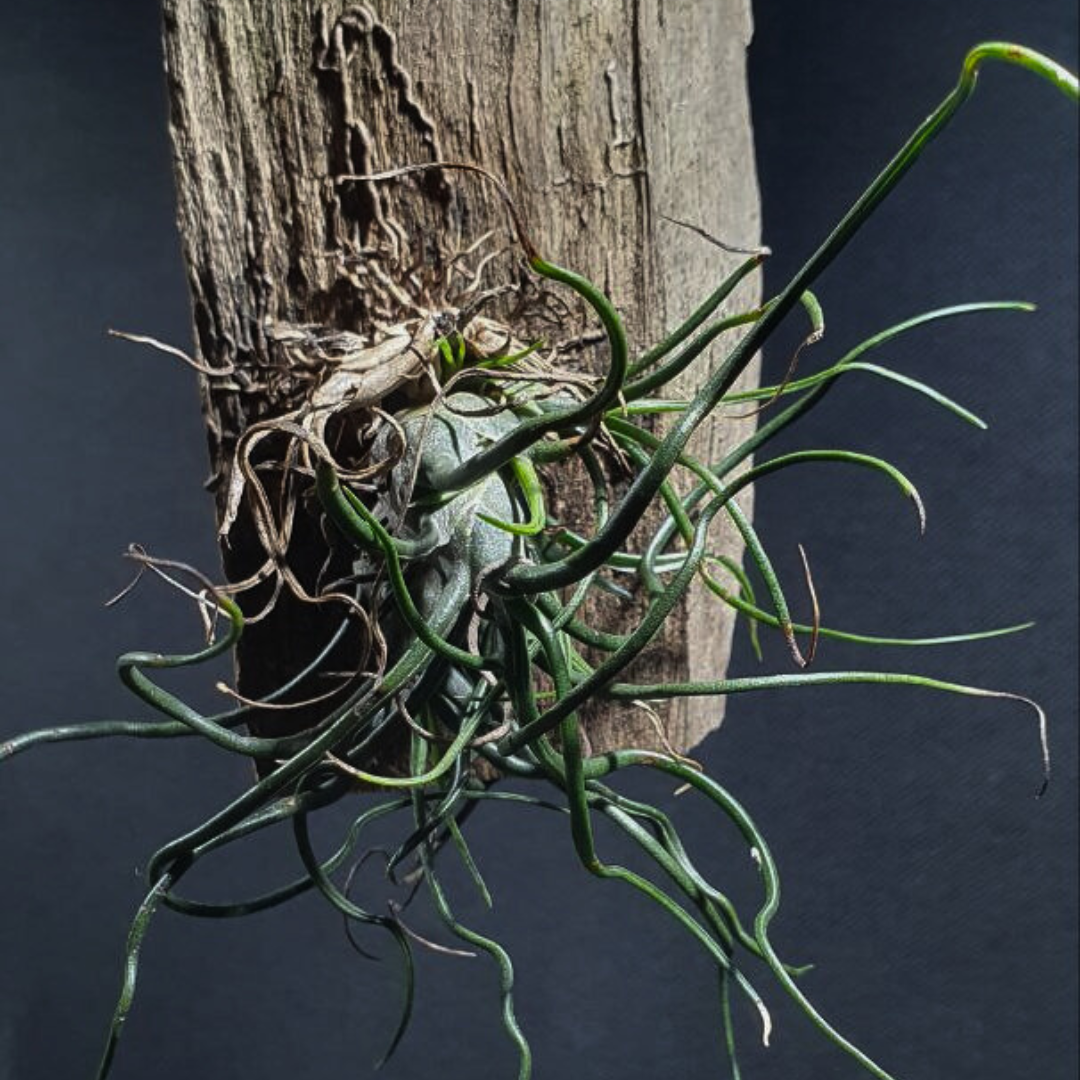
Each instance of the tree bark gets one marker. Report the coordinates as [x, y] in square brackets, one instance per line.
[604, 117]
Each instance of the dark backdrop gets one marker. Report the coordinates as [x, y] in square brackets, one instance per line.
[936, 896]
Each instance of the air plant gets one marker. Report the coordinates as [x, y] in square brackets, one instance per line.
[465, 598]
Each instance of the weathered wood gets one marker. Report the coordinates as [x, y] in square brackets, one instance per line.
[604, 116]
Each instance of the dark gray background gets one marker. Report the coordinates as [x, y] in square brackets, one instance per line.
[936, 896]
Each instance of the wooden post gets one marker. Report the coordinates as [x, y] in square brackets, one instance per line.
[605, 117]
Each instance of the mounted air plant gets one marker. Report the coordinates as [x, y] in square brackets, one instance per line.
[428, 459]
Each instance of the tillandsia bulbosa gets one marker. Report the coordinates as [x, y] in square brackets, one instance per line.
[466, 597]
